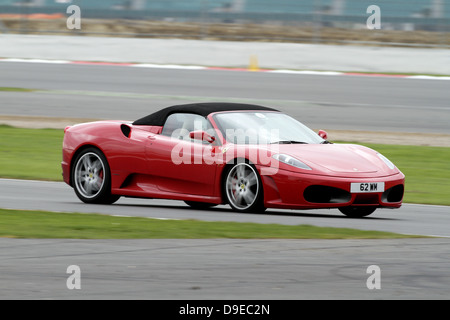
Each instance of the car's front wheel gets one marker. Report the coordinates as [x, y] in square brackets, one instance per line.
[92, 178]
[357, 212]
[243, 188]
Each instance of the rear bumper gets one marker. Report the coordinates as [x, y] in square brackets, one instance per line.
[65, 172]
[291, 190]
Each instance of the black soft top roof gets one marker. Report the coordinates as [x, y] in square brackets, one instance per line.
[159, 118]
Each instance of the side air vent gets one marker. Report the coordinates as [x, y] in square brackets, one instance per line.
[126, 130]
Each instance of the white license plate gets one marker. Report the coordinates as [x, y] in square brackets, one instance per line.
[366, 187]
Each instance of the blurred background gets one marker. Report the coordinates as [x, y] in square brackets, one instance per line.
[386, 88]
[424, 23]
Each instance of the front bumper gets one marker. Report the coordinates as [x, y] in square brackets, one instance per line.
[291, 190]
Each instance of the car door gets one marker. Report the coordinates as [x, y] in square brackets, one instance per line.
[176, 162]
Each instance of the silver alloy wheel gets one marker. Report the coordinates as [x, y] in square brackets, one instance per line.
[89, 175]
[242, 186]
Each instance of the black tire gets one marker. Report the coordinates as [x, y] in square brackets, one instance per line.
[200, 205]
[243, 189]
[357, 212]
[91, 177]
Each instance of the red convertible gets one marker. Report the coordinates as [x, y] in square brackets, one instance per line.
[250, 157]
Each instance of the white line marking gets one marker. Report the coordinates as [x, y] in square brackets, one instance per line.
[308, 72]
[419, 77]
[195, 67]
[167, 66]
[35, 60]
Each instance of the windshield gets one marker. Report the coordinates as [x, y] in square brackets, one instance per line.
[263, 128]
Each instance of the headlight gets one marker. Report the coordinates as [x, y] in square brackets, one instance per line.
[291, 161]
[386, 160]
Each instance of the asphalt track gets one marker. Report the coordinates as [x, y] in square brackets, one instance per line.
[225, 269]
[56, 196]
[321, 102]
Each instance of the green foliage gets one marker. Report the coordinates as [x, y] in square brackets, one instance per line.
[36, 154]
[427, 171]
[30, 153]
[39, 224]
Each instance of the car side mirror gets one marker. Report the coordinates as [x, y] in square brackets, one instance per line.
[323, 134]
[201, 135]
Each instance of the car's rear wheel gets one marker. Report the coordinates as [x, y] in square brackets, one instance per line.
[243, 188]
[92, 178]
[357, 212]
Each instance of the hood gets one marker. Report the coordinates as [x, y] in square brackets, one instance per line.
[336, 159]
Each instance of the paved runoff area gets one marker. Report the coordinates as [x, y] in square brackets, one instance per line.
[271, 55]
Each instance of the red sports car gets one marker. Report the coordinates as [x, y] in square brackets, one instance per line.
[248, 156]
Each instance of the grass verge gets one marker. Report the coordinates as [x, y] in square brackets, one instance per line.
[13, 89]
[36, 154]
[30, 153]
[426, 169]
[39, 224]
